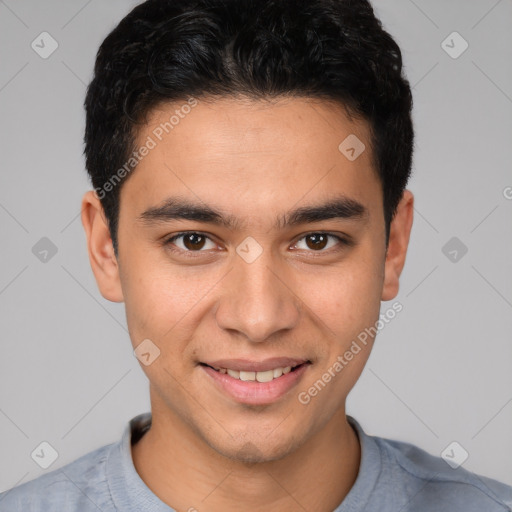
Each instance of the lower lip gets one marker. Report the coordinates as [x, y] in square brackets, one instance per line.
[253, 392]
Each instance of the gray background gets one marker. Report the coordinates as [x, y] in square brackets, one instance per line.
[441, 371]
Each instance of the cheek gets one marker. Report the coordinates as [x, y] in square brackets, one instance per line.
[162, 303]
[347, 305]
[347, 299]
[152, 300]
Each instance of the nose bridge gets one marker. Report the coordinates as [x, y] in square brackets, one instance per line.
[257, 303]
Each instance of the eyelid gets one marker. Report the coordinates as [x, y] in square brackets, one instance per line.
[343, 240]
[168, 241]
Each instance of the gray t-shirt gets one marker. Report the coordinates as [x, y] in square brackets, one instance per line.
[393, 476]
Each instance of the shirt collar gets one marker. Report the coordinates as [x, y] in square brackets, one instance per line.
[129, 491]
[370, 467]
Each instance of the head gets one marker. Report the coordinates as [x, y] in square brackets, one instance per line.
[231, 121]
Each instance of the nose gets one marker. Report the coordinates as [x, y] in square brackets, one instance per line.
[256, 301]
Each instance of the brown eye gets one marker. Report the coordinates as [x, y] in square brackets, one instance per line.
[322, 242]
[317, 241]
[193, 241]
[190, 242]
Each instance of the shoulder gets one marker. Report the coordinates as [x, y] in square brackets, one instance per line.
[80, 485]
[437, 483]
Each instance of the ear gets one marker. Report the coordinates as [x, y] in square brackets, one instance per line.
[100, 248]
[399, 232]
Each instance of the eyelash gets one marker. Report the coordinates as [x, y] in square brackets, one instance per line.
[193, 254]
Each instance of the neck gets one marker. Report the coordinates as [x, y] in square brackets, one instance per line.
[187, 474]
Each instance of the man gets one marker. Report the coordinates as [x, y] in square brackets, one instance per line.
[249, 162]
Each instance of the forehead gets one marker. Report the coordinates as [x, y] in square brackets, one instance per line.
[252, 156]
[227, 126]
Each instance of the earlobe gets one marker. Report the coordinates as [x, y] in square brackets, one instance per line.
[399, 234]
[100, 248]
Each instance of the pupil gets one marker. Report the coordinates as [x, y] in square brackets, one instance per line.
[190, 241]
[319, 241]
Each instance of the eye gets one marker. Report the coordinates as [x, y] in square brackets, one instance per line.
[191, 241]
[194, 242]
[317, 242]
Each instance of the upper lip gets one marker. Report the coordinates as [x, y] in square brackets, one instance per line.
[255, 366]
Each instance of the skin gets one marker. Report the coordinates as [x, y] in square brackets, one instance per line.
[255, 160]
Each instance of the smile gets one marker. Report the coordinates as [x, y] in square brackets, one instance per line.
[256, 383]
[265, 376]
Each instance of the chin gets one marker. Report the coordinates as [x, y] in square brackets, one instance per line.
[258, 450]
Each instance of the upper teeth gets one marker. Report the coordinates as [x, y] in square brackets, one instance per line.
[265, 376]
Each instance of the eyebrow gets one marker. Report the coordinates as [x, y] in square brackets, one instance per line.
[178, 208]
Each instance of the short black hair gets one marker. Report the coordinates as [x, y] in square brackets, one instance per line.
[170, 50]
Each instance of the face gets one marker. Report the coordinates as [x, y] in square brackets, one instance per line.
[249, 244]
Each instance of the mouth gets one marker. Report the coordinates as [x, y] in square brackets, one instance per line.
[257, 376]
[256, 383]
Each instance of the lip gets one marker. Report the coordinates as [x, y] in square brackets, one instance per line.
[253, 392]
[246, 365]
